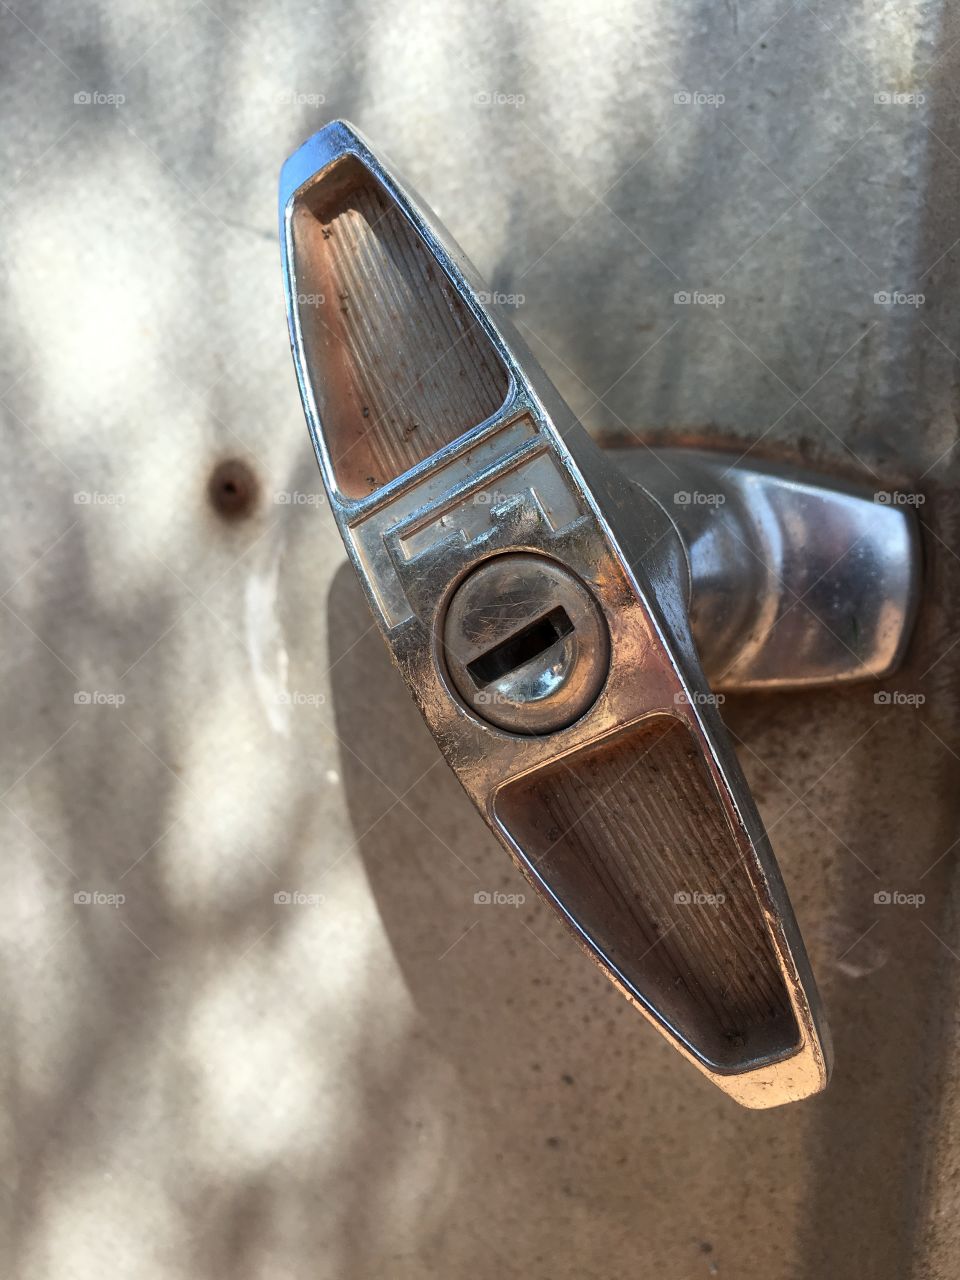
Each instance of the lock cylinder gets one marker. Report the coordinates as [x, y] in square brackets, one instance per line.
[525, 644]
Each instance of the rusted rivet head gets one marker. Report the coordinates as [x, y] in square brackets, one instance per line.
[525, 644]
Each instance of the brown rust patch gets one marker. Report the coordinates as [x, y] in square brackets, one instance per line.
[233, 489]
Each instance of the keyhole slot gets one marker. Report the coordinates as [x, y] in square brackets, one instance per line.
[520, 648]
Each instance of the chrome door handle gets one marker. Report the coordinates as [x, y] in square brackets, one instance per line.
[546, 611]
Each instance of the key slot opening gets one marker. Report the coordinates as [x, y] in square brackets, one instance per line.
[520, 648]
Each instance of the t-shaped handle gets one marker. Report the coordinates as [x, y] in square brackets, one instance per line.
[538, 603]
